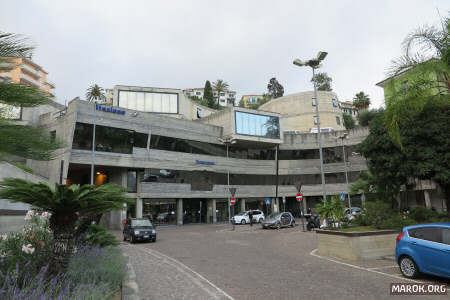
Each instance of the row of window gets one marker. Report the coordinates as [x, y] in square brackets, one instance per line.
[110, 139]
[333, 101]
[338, 120]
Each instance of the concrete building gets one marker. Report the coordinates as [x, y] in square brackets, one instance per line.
[175, 164]
[248, 100]
[29, 73]
[298, 111]
[226, 98]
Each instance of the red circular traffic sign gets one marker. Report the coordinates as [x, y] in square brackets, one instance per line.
[299, 197]
[233, 201]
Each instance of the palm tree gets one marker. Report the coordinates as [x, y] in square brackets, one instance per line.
[66, 204]
[220, 86]
[21, 140]
[361, 101]
[95, 93]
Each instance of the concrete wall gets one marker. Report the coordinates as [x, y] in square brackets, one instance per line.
[298, 111]
[356, 246]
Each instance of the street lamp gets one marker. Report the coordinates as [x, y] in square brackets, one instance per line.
[342, 137]
[228, 141]
[315, 63]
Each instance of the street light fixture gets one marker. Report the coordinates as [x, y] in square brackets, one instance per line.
[228, 141]
[315, 63]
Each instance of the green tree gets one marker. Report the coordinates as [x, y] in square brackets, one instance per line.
[21, 140]
[208, 94]
[349, 123]
[425, 63]
[241, 103]
[95, 93]
[322, 81]
[66, 205]
[274, 88]
[361, 101]
[364, 117]
[220, 86]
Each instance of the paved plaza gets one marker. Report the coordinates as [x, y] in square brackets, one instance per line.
[212, 262]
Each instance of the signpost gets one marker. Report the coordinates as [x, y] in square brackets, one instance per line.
[267, 206]
[299, 198]
[233, 201]
[284, 203]
[342, 195]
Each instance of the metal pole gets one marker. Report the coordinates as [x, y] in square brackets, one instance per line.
[228, 183]
[93, 144]
[346, 175]
[301, 215]
[276, 186]
[324, 190]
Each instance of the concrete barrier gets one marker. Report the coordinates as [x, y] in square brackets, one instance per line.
[356, 245]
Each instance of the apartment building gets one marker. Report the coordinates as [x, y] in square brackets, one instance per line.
[347, 107]
[226, 98]
[29, 73]
[248, 100]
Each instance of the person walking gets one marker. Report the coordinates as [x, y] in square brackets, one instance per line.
[250, 216]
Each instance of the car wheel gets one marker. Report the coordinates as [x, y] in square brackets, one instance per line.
[293, 224]
[243, 222]
[308, 227]
[133, 240]
[278, 225]
[408, 267]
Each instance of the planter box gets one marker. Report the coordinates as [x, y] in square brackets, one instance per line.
[356, 245]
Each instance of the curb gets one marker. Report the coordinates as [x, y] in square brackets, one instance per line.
[130, 288]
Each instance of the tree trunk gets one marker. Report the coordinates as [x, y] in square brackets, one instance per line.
[63, 227]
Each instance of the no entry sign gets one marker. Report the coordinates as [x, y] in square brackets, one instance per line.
[233, 201]
[299, 197]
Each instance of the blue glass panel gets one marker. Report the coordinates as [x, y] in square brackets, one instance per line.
[257, 125]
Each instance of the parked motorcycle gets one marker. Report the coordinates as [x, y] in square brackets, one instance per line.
[313, 221]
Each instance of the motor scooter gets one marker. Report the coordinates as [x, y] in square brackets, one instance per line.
[313, 221]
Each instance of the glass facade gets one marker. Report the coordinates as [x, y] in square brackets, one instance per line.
[82, 137]
[257, 125]
[149, 101]
[110, 139]
[161, 212]
[132, 181]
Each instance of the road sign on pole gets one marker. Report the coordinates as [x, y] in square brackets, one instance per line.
[233, 201]
[299, 197]
[267, 201]
[342, 195]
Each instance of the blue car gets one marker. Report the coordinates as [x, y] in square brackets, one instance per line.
[424, 248]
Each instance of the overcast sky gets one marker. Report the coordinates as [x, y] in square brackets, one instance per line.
[180, 44]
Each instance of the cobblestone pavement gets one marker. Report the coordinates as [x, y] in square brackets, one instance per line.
[213, 262]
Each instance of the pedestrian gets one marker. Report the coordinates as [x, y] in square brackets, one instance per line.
[250, 216]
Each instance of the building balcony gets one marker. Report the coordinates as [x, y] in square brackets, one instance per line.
[29, 80]
[29, 70]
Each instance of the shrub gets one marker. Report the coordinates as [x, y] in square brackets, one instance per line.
[376, 212]
[422, 214]
[332, 209]
[396, 222]
[97, 236]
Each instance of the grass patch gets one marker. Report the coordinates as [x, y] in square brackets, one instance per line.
[22, 167]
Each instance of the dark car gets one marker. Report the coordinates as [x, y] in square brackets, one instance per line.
[424, 248]
[139, 230]
[278, 220]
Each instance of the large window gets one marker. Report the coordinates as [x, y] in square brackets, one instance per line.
[149, 101]
[82, 137]
[110, 139]
[257, 125]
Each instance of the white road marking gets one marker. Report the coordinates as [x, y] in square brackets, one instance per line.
[182, 268]
[313, 253]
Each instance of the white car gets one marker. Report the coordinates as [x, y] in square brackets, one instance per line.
[242, 218]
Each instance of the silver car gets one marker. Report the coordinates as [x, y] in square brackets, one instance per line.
[278, 220]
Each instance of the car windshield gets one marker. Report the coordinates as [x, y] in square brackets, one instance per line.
[138, 223]
[274, 215]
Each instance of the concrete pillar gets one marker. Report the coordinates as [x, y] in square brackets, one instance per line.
[180, 212]
[242, 205]
[305, 205]
[211, 211]
[138, 207]
[275, 205]
[426, 195]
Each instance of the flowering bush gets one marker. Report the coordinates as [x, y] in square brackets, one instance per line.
[31, 247]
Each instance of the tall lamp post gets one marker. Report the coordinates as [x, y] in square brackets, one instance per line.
[315, 63]
[344, 136]
[227, 142]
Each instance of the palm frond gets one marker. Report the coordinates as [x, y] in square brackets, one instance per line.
[22, 95]
[14, 45]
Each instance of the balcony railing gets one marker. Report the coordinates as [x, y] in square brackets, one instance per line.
[30, 80]
[31, 70]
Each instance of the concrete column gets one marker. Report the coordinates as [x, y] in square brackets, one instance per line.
[242, 205]
[305, 205]
[180, 212]
[426, 195]
[275, 205]
[138, 207]
[211, 211]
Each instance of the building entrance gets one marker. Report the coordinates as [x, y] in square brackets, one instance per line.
[161, 212]
[194, 211]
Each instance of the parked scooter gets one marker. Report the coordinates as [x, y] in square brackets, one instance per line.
[313, 221]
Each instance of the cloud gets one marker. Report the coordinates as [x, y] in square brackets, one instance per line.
[181, 44]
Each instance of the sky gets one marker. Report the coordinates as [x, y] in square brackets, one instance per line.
[181, 44]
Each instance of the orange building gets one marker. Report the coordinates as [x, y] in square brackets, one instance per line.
[29, 73]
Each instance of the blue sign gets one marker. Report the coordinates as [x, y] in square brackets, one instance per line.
[267, 201]
[109, 109]
[204, 162]
[342, 195]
